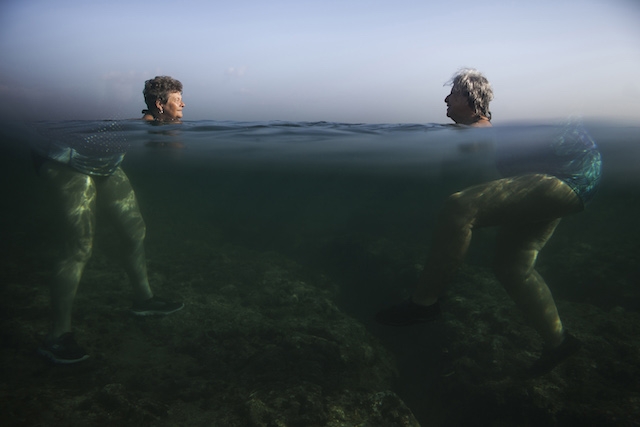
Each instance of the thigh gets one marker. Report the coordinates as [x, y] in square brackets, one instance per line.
[520, 200]
[517, 249]
[75, 196]
[117, 200]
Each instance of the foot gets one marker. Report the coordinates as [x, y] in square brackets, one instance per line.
[155, 306]
[408, 313]
[63, 350]
[552, 357]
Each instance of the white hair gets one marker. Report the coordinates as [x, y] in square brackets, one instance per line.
[475, 86]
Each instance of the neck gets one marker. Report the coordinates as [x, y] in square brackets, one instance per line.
[160, 117]
[480, 122]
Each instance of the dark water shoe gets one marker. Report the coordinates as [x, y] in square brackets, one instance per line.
[63, 350]
[552, 357]
[155, 306]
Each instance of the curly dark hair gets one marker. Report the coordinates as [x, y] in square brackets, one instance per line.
[159, 88]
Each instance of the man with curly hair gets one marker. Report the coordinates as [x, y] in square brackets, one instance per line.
[541, 185]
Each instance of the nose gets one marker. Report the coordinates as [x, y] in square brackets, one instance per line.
[446, 99]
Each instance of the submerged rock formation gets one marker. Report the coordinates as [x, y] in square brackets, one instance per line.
[255, 346]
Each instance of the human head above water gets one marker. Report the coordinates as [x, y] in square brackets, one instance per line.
[163, 96]
[473, 86]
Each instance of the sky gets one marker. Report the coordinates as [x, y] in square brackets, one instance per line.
[352, 61]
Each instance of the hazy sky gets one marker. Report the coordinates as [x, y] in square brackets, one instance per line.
[306, 60]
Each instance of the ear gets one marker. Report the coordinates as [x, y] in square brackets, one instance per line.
[159, 105]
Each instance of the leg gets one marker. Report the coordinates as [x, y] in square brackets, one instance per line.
[523, 199]
[76, 194]
[516, 253]
[118, 200]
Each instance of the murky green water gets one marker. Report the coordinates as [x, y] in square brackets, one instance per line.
[355, 204]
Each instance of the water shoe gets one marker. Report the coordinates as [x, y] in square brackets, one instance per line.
[552, 357]
[63, 350]
[155, 306]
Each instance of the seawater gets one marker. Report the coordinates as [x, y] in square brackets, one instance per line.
[356, 203]
[316, 191]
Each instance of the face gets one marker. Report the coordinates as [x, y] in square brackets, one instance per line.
[458, 107]
[172, 110]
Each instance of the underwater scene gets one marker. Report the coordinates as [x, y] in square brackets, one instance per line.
[283, 240]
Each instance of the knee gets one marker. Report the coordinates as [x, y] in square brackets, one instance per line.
[135, 233]
[458, 209]
[80, 250]
[510, 273]
[140, 232]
